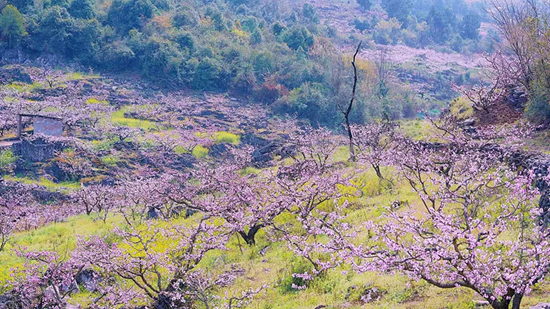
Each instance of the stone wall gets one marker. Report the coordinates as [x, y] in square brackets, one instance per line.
[38, 150]
[48, 126]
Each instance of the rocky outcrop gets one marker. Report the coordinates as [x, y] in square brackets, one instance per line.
[88, 279]
[10, 74]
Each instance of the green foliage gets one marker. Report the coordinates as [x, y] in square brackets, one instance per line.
[110, 160]
[185, 40]
[217, 18]
[51, 30]
[46, 183]
[538, 107]
[82, 9]
[12, 23]
[440, 25]
[257, 50]
[119, 119]
[263, 63]
[125, 15]
[7, 159]
[184, 18]
[469, 27]
[21, 5]
[310, 101]
[298, 36]
[278, 28]
[161, 57]
[310, 13]
[399, 9]
[200, 152]
[226, 137]
[361, 25]
[209, 75]
[461, 108]
[256, 37]
[288, 282]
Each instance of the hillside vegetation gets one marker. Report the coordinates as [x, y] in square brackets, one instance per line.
[274, 154]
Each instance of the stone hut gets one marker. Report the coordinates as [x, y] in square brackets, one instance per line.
[38, 149]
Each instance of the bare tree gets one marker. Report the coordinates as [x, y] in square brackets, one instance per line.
[347, 111]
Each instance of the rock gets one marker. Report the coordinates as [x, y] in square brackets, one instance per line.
[51, 292]
[89, 279]
[41, 194]
[12, 74]
[153, 213]
[10, 301]
[467, 123]
[541, 306]
[214, 114]
[365, 294]
[180, 210]
[71, 288]
[220, 150]
[254, 140]
[186, 160]
[517, 97]
[50, 92]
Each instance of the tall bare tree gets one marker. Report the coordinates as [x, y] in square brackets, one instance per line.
[347, 111]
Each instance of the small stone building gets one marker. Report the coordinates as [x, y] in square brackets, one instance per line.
[37, 150]
[45, 125]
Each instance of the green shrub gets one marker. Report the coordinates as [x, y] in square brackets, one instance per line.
[288, 282]
[226, 137]
[7, 159]
[200, 152]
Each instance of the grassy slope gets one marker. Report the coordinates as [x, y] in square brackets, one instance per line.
[339, 289]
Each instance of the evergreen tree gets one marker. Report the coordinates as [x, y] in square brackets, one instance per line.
[469, 27]
[399, 9]
[12, 24]
[299, 37]
[82, 9]
[440, 29]
[256, 37]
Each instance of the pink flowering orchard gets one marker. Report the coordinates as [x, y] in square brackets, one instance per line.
[477, 224]
[274, 154]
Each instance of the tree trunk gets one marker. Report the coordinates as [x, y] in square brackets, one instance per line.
[250, 237]
[350, 106]
[517, 301]
[378, 172]
[502, 304]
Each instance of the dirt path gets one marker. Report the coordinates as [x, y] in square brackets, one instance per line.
[4, 144]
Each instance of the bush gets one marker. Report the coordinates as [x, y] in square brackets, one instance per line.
[298, 37]
[7, 160]
[289, 282]
[200, 152]
[226, 137]
[209, 75]
[538, 108]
